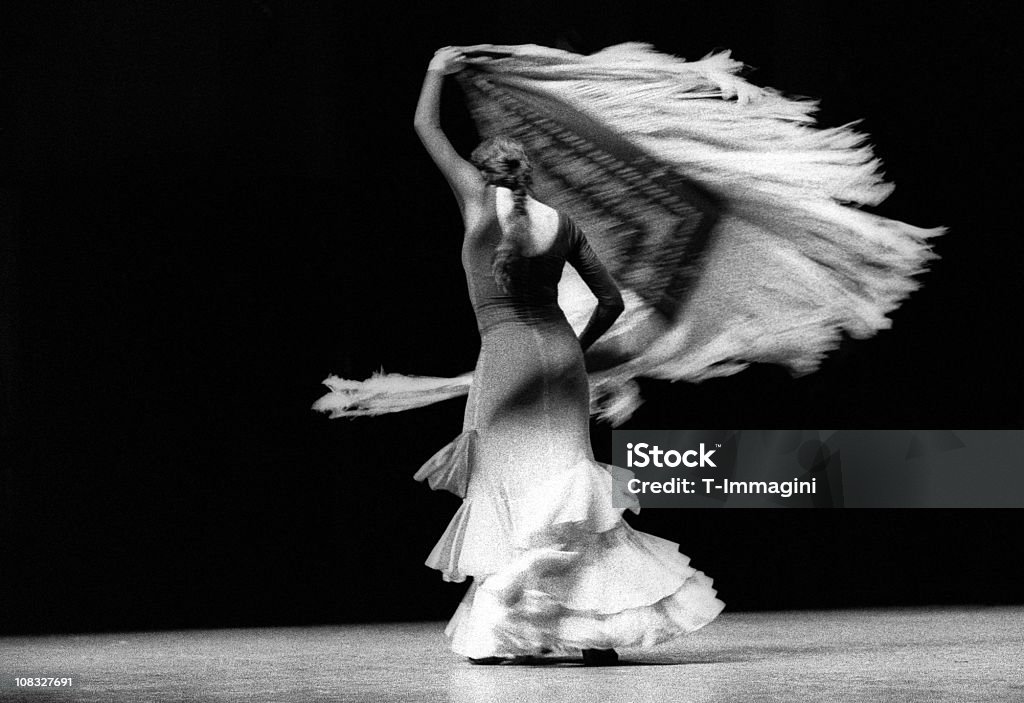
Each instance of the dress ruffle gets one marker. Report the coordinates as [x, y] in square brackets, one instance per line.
[558, 569]
[448, 469]
[487, 533]
[623, 589]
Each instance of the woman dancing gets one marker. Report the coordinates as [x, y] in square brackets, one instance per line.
[555, 568]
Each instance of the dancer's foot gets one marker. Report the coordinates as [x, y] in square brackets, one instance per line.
[487, 660]
[600, 657]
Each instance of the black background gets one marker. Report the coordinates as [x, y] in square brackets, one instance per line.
[207, 207]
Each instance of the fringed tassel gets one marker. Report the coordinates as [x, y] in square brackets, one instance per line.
[387, 393]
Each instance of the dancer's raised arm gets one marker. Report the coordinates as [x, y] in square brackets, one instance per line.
[462, 176]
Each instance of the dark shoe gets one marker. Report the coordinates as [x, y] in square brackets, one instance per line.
[600, 657]
[487, 660]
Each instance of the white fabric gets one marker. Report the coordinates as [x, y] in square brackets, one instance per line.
[791, 265]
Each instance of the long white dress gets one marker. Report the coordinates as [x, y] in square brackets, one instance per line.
[555, 568]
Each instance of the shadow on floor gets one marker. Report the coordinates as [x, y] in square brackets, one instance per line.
[726, 656]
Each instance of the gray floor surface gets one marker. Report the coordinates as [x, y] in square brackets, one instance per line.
[907, 655]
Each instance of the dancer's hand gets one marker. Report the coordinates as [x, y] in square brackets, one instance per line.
[447, 60]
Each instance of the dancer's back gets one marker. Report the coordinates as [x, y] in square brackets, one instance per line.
[549, 241]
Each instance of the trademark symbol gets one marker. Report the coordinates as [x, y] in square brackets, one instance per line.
[718, 445]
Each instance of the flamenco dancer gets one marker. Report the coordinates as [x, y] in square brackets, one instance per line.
[555, 568]
[723, 228]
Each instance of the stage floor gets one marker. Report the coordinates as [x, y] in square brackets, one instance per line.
[905, 655]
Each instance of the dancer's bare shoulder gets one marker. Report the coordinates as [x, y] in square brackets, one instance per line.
[543, 220]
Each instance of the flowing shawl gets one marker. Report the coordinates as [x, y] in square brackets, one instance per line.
[730, 220]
